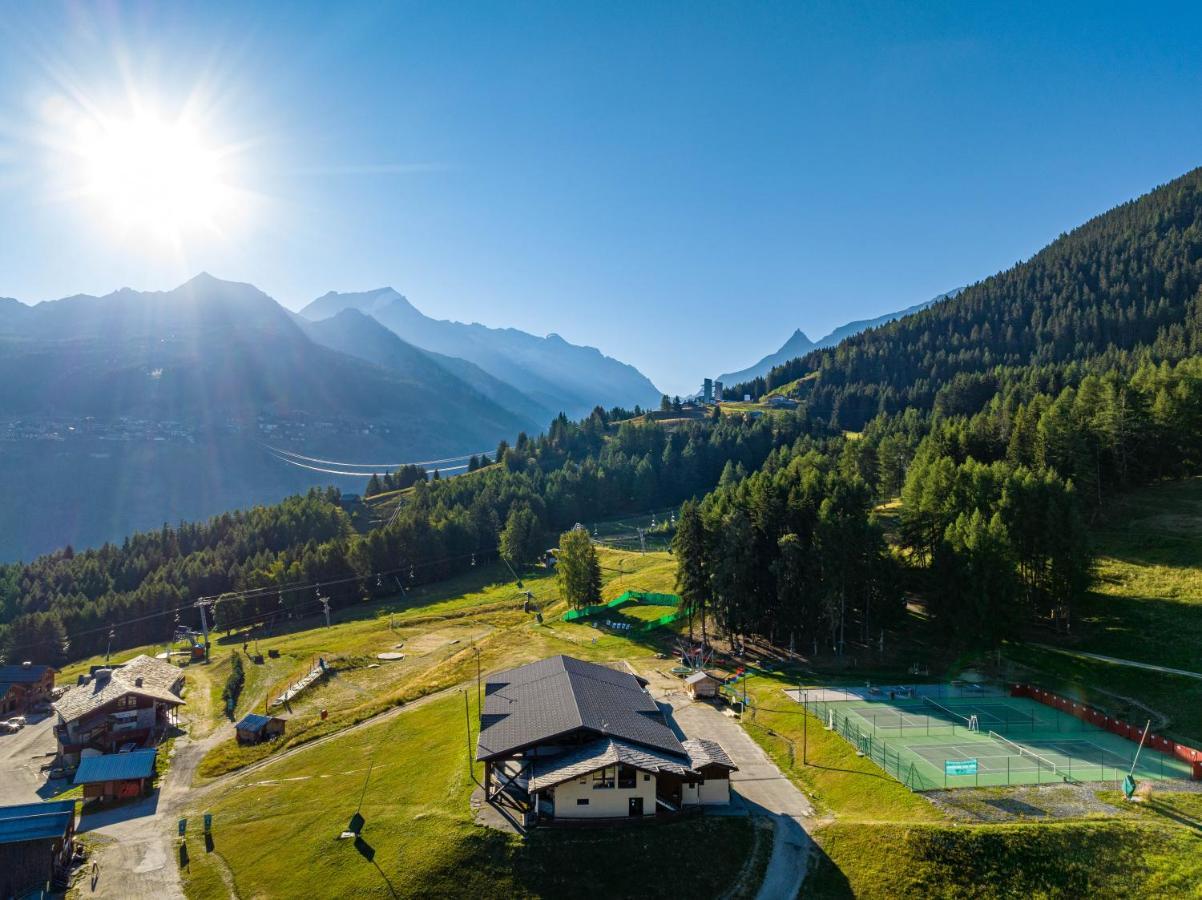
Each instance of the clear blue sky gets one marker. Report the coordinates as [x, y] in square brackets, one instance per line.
[681, 185]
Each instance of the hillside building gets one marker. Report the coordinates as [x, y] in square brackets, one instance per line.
[564, 739]
[36, 845]
[117, 776]
[132, 704]
[24, 687]
[255, 728]
[701, 685]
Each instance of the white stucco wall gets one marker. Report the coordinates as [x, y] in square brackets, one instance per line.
[715, 791]
[689, 795]
[603, 803]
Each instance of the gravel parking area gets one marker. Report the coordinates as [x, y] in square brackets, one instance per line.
[22, 756]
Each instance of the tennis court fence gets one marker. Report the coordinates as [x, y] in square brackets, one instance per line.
[996, 760]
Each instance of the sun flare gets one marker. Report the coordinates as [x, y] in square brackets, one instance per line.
[147, 173]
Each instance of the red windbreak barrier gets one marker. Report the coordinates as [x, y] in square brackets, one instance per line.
[1125, 729]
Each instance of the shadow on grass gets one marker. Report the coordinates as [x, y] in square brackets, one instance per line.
[879, 775]
[824, 878]
[368, 852]
[1168, 812]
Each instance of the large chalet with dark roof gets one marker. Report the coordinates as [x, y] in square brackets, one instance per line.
[24, 686]
[131, 705]
[566, 739]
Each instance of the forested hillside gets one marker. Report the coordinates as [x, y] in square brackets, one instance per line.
[1004, 418]
[68, 605]
[1128, 279]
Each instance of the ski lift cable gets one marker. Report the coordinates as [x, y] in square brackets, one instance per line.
[377, 466]
[250, 593]
[343, 472]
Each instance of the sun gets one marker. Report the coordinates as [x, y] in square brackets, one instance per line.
[151, 174]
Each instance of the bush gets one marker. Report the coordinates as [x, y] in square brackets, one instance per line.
[233, 684]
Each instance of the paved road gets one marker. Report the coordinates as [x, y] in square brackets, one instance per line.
[1121, 662]
[22, 756]
[762, 788]
[138, 843]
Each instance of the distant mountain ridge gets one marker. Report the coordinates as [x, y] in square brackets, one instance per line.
[357, 334]
[799, 345]
[120, 412]
[557, 375]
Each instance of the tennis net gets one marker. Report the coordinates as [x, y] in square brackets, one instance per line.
[947, 712]
[1023, 751]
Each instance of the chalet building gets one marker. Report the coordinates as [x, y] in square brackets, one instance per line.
[24, 687]
[255, 728]
[132, 704]
[36, 844]
[117, 776]
[564, 739]
[702, 685]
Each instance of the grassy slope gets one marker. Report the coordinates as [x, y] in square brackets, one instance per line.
[1146, 605]
[1078, 859]
[421, 834]
[439, 629]
[883, 841]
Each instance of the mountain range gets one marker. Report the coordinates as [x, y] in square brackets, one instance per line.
[554, 374]
[120, 412]
[799, 344]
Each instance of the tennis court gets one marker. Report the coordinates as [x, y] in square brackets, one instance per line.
[946, 736]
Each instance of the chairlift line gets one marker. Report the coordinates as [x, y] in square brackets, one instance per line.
[343, 472]
[376, 466]
[250, 593]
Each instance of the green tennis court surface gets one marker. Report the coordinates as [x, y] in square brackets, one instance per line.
[925, 735]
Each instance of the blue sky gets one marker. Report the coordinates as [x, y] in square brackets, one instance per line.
[681, 185]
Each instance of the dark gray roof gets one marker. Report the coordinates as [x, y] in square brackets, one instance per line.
[253, 722]
[558, 695]
[33, 821]
[158, 682]
[704, 753]
[116, 767]
[22, 674]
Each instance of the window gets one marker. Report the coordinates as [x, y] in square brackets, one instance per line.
[646, 778]
[582, 801]
[603, 778]
[627, 776]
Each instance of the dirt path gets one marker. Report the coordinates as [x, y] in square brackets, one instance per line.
[1114, 660]
[760, 786]
[136, 853]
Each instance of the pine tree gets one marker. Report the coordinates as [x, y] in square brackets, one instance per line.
[689, 548]
[578, 570]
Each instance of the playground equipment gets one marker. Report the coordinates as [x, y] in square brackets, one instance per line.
[648, 598]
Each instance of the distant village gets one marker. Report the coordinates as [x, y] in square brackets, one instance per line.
[125, 429]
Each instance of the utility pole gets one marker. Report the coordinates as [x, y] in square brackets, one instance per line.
[204, 625]
[805, 728]
[479, 699]
[467, 716]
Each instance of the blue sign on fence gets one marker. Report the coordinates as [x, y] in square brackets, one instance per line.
[959, 767]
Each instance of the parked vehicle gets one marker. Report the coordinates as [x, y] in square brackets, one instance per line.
[5, 728]
[18, 721]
